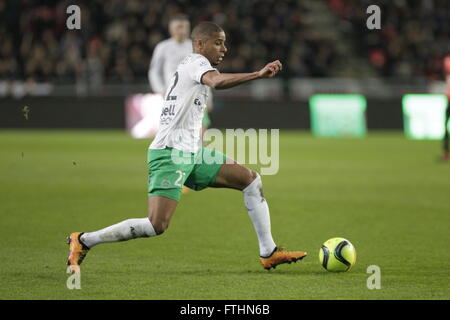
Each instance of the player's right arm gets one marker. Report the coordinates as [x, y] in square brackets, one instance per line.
[155, 73]
[217, 80]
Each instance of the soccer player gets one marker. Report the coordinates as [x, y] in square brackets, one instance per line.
[168, 55]
[185, 101]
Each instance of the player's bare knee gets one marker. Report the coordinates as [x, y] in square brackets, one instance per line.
[160, 228]
[159, 225]
[252, 175]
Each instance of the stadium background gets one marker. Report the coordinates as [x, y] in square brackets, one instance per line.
[384, 192]
[325, 47]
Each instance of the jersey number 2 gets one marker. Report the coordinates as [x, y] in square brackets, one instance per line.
[169, 97]
[181, 174]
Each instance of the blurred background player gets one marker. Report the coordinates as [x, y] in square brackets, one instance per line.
[169, 53]
[446, 153]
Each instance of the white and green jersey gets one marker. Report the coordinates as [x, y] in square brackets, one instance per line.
[184, 104]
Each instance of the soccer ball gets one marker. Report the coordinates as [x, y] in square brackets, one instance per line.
[337, 255]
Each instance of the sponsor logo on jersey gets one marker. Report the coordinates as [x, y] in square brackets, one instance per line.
[168, 111]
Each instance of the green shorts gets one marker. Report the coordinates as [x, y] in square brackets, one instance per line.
[169, 169]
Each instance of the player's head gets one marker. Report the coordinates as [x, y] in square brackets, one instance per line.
[208, 39]
[179, 27]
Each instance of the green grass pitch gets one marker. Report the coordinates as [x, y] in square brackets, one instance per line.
[386, 194]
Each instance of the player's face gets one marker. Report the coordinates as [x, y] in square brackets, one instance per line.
[215, 49]
[180, 29]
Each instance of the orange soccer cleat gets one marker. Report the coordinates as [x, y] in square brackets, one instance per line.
[77, 251]
[280, 256]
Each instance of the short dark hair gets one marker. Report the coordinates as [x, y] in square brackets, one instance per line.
[179, 17]
[204, 30]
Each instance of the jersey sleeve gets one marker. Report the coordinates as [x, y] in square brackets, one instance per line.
[198, 67]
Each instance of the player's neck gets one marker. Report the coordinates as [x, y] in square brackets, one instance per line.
[198, 52]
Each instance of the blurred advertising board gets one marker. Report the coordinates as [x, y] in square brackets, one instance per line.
[338, 115]
[142, 113]
[424, 115]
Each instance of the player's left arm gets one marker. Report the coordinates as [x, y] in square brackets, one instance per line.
[217, 80]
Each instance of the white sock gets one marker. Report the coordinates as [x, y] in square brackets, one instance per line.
[122, 231]
[258, 210]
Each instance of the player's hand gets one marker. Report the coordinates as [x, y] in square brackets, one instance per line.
[271, 69]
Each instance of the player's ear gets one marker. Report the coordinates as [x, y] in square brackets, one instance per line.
[195, 44]
[200, 43]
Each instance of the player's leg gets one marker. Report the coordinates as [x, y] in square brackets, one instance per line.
[122, 231]
[235, 176]
[160, 211]
[81, 242]
[163, 196]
